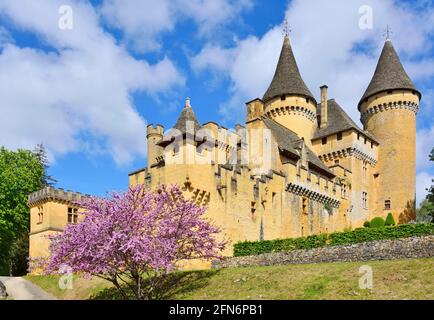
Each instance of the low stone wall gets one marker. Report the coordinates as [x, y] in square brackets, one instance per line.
[416, 247]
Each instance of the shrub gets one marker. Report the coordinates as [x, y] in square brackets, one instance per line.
[367, 224]
[334, 239]
[377, 222]
[389, 220]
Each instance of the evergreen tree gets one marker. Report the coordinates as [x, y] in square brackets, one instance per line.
[431, 190]
[41, 155]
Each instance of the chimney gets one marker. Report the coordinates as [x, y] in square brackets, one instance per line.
[324, 108]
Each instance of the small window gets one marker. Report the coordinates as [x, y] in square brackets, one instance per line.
[337, 161]
[339, 136]
[364, 200]
[305, 211]
[273, 198]
[72, 215]
[253, 209]
[307, 100]
[366, 140]
[40, 215]
[282, 98]
[358, 136]
[372, 145]
[387, 205]
[324, 140]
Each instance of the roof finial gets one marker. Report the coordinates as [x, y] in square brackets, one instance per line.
[187, 102]
[388, 33]
[286, 28]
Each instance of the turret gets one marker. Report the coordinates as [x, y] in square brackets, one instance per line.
[288, 101]
[154, 135]
[388, 111]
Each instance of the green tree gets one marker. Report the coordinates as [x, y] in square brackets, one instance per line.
[21, 173]
[426, 212]
[41, 155]
[389, 220]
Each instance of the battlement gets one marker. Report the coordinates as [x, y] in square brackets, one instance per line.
[157, 130]
[52, 194]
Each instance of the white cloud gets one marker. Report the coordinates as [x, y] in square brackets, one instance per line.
[323, 42]
[424, 145]
[143, 21]
[424, 181]
[81, 91]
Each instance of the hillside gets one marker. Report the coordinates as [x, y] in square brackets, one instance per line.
[394, 279]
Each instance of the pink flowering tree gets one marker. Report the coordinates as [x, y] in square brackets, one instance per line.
[136, 239]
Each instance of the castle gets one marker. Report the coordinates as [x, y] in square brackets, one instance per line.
[298, 167]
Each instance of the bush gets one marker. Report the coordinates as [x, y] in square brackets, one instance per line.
[334, 239]
[389, 220]
[367, 224]
[377, 222]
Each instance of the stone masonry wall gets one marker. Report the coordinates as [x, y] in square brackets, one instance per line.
[416, 247]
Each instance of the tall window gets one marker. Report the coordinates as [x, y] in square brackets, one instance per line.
[364, 200]
[72, 215]
[344, 191]
[305, 204]
[365, 170]
[40, 215]
[339, 136]
[387, 205]
[324, 140]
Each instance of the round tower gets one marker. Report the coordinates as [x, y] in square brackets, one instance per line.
[388, 110]
[288, 101]
[154, 135]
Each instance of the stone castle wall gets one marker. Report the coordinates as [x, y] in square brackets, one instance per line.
[405, 248]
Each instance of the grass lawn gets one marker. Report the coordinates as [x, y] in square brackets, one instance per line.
[393, 279]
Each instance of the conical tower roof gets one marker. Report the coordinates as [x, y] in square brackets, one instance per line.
[287, 79]
[389, 74]
[187, 115]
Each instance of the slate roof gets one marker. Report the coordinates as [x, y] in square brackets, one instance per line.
[337, 121]
[287, 79]
[389, 74]
[290, 141]
[187, 114]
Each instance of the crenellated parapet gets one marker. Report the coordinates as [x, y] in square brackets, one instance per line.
[407, 105]
[57, 195]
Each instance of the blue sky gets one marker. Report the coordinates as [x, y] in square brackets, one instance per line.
[88, 93]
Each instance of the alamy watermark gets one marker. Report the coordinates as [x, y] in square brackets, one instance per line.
[66, 20]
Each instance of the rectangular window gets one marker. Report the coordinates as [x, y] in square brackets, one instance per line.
[72, 215]
[324, 140]
[358, 136]
[273, 198]
[387, 205]
[339, 136]
[336, 161]
[305, 206]
[365, 170]
[40, 215]
[253, 209]
[364, 200]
